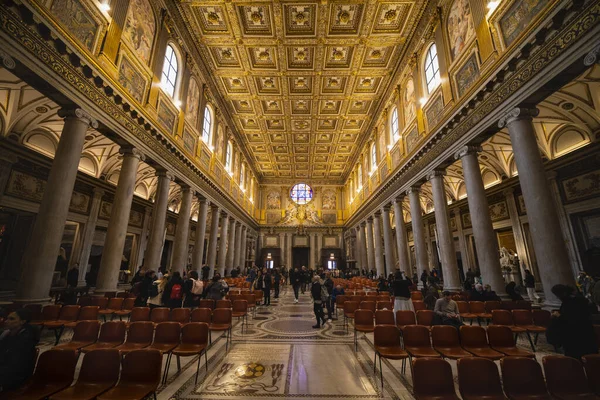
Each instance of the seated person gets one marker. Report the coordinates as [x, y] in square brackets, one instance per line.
[447, 309]
[490, 295]
[477, 294]
[17, 350]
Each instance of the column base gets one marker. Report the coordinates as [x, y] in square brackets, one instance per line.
[45, 300]
[98, 291]
[453, 289]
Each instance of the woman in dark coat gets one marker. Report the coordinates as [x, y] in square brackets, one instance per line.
[17, 350]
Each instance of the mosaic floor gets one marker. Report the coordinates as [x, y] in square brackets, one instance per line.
[281, 356]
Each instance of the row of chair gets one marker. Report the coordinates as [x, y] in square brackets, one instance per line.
[522, 378]
[98, 377]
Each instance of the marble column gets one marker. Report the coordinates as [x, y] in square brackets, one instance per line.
[112, 254]
[416, 216]
[388, 243]
[182, 231]
[379, 266]
[223, 243]
[239, 246]
[402, 238]
[289, 248]
[88, 235]
[462, 241]
[445, 240]
[486, 242]
[39, 259]
[370, 245]
[156, 241]
[364, 258]
[517, 229]
[358, 249]
[141, 250]
[198, 253]
[319, 248]
[231, 245]
[283, 258]
[211, 258]
[244, 248]
[312, 250]
[7, 159]
[548, 241]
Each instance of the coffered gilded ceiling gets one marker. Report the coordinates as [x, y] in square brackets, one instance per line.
[302, 79]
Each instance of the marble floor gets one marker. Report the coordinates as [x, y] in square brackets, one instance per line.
[280, 355]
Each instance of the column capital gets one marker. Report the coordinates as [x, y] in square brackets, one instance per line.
[244, 228]
[7, 61]
[399, 199]
[517, 114]
[363, 224]
[201, 199]
[414, 189]
[238, 223]
[377, 214]
[466, 150]
[508, 191]
[164, 173]
[593, 57]
[232, 218]
[370, 219]
[435, 174]
[386, 208]
[224, 214]
[128, 151]
[186, 189]
[98, 192]
[78, 113]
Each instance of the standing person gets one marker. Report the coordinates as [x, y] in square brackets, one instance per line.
[329, 303]
[205, 272]
[315, 292]
[216, 289]
[277, 282]
[258, 282]
[73, 276]
[144, 288]
[424, 278]
[17, 350]
[305, 278]
[401, 291]
[192, 290]
[267, 279]
[251, 275]
[447, 309]
[337, 291]
[173, 294]
[296, 280]
[156, 292]
[284, 273]
[570, 327]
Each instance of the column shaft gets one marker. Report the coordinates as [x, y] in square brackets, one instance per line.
[182, 230]
[371, 245]
[289, 249]
[377, 245]
[444, 233]
[312, 250]
[198, 254]
[211, 259]
[231, 245]
[363, 246]
[283, 258]
[88, 235]
[112, 254]
[239, 248]
[156, 241]
[223, 243]
[486, 243]
[548, 241]
[357, 251]
[418, 231]
[402, 238]
[244, 248]
[388, 243]
[44, 243]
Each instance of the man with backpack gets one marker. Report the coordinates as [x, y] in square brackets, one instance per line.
[173, 294]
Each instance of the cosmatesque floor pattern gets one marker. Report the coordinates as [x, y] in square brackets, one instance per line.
[279, 355]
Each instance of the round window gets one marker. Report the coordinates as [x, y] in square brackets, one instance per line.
[301, 193]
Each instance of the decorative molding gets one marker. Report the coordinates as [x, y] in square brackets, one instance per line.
[467, 150]
[593, 57]
[79, 114]
[7, 61]
[133, 152]
[436, 173]
[517, 114]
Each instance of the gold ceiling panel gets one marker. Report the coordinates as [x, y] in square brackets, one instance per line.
[302, 79]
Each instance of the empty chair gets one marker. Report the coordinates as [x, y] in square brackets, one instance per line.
[474, 340]
[565, 378]
[194, 341]
[363, 322]
[492, 305]
[160, 314]
[523, 305]
[202, 315]
[112, 334]
[384, 317]
[385, 305]
[99, 372]
[140, 376]
[126, 308]
[207, 303]
[356, 298]
[339, 302]
[251, 299]
[84, 334]
[417, 342]
[446, 342]
[114, 304]
[541, 318]
[405, 318]
[221, 321]
[591, 363]
[465, 313]
[139, 336]
[478, 309]
[139, 314]
[386, 339]
[53, 373]
[416, 295]
[87, 313]
[84, 301]
[432, 379]
[504, 317]
[240, 310]
[166, 339]
[524, 319]
[419, 305]
[100, 301]
[350, 308]
[425, 317]
[501, 339]
[67, 314]
[180, 315]
[478, 378]
[368, 305]
[223, 304]
[522, 378]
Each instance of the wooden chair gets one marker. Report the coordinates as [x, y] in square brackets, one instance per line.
[350, 308]
[223, 304]
[166, 338]
[405, 318]
[591, 363]
[478, 378]
[99, 372]
[425, 318]
[140, 376]
[87, 313]
[446, 342]
[363, 322]
[202, 315]
[368, 305]
[339, 303]
[207, 303]
[67, 314]
[417, 342]
[112, 334]
[522, 379]
[385, 305]
[221, 321]
[386, 339]
[565, 378]
[474, 340]
[114, 304]
[524, 319]
[139, 314]
[139, 336]
[465, 313]
[478, 309]
[240, 310]
[194, 341]
[500, 338]
[180, 315]
[419, 305]
[384, 317]
[416, 295]
[159, 314]
[85, 333]
[126, 308]
[432, 379]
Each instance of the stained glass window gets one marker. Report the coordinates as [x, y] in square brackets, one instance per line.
[301, 193]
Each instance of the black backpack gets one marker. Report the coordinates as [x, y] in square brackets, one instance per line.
[153, 291]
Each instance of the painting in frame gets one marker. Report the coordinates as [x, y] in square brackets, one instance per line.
[517, 17]
[79, 21]
[467, 74]
[166, 116]
[131, 79]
